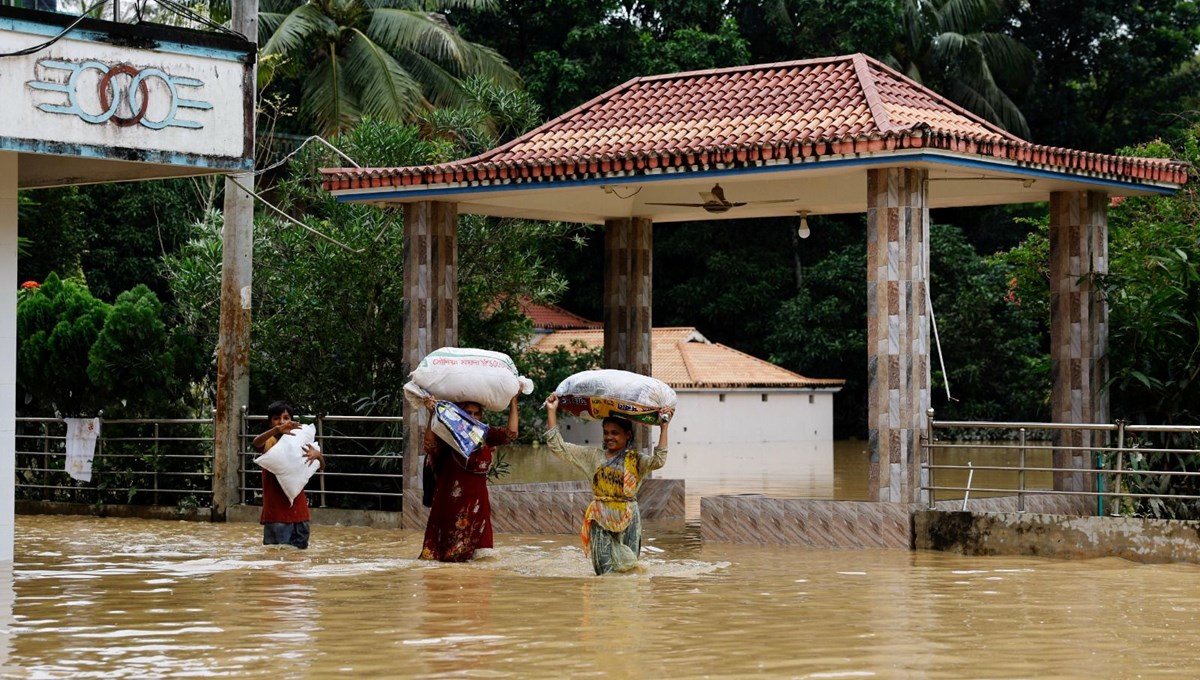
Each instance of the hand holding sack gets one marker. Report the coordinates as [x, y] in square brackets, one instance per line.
[594, 395]
[287, 462]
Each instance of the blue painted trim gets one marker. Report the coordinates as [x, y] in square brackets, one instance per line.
[922, 157]
[49, 31]
[110, 154]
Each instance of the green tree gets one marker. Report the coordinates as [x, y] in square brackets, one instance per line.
[1110, 73]
[952, 47]
[57, 324]
[140, 365]
[387, 59]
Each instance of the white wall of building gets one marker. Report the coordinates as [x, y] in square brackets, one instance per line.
[733, 417]
[8, 349]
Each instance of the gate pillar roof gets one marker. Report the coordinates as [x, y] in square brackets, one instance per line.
[779, 139]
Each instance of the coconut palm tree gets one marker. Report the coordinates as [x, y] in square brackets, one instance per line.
[384, 59]
[944, 45]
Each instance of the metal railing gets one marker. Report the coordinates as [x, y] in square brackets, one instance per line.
[136, 462]
[1116, 469]
[168, 462]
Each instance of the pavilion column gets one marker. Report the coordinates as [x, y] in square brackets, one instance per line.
[1078, 327]
[897, 330]
[8, 352]
[628, 250]
[430, 306]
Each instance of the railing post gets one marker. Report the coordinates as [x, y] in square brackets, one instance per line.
[321, 441]
[45, 461]
[1021, 474]
[928, 467]
[1117, 478]
[157, 452]
[241, 456]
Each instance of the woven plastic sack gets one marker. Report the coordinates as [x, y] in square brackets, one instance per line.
[598, 394]
[457, 428]
[287, 462]
[459, 374]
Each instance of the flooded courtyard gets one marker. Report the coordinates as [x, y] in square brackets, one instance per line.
[121, 598]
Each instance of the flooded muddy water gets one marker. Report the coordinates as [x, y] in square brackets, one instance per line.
[121, 598]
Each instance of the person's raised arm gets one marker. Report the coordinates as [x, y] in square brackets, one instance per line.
[551, 411]
[513, 418]
[277, 431]
[664, 421]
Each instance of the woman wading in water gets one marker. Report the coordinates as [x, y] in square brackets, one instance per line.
[612, 524]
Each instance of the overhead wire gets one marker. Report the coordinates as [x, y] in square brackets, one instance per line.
[61, 34]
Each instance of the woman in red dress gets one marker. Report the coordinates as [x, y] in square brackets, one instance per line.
[460, 520]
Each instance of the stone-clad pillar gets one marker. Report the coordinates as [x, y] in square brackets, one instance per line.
[1078, 326]
[897, 330]
[8, 355]
[628, 249]
[430, 307]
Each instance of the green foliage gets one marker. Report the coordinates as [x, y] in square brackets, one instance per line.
[328, 296]
[996, 366]
[346, 60]
[547, 369]
[991, 345]
[947, 45]
[57, 324]
[1153, 293]
[1110, 72]
[112, 234]
[139, 362]
[77, 355]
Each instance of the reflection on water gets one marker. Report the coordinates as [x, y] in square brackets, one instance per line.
[115, 598]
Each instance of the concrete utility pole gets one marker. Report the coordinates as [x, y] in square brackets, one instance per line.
[233, 342]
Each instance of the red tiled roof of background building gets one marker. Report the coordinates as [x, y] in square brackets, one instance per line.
[683, 358]
[553, 317]
[790, 112]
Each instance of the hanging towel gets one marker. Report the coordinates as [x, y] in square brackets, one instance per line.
[81, 446]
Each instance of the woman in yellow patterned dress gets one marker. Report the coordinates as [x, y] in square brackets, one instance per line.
[612, 526]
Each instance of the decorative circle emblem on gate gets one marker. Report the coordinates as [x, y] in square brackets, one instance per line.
[124, 94]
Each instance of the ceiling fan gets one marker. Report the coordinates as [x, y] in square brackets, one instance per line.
[715, 201]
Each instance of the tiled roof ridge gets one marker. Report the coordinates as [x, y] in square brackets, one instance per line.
[687, 361]
[933, 94]
[874, 102]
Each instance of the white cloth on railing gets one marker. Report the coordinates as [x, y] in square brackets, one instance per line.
[81, 446]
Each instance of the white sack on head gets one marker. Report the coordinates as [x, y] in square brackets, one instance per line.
[460, 374]
[287, 462]
[611, 392]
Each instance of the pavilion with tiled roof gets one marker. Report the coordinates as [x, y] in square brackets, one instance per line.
[840, 134]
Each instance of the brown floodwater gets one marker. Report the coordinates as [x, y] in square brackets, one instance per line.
[121, 598]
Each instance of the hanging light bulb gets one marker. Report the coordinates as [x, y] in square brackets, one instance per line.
[803, 231]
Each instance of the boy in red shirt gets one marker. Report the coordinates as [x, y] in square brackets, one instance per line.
[283, 522]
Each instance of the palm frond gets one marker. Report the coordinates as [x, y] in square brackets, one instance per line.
[303, 27]
[964, 16]
[397, 30]
[386, 90]
[327, 98]
[441, 88]
[1006, 57]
